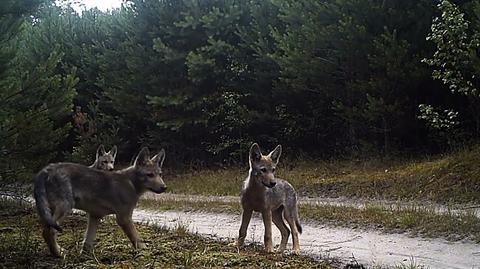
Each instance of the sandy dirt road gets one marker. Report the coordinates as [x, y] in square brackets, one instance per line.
[368, 247]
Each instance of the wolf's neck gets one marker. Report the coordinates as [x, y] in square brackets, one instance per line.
[253, 183]
[94, 164]
[129, 173]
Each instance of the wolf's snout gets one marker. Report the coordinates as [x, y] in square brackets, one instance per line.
[270, 184]
[161, 189]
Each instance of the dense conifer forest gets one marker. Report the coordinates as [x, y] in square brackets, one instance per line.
[205, 79]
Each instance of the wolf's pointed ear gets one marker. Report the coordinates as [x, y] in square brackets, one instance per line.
[143, 157]
[113, 151]
[100, 151]
[159, 158]
[275, 154]
[255, 153]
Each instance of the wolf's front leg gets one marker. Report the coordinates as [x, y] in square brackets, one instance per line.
[242, 234]
[128, 227]
[267, 222]
[91, 232]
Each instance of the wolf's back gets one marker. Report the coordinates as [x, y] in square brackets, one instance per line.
[41, 199]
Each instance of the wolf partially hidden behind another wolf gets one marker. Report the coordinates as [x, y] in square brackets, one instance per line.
[105, 160]
[275, 198]
[61, 187]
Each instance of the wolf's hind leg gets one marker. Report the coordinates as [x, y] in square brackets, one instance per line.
[291, 221]
[91, 232]
[61, 211]
[50, 236]
[277, 218]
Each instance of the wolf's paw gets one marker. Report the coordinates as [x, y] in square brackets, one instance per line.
[86, 250]
[140, 245]
[269, 249]
[237, 243]
[58, 252]
[57, 255]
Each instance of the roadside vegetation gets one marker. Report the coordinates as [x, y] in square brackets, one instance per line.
[23, 247]
[451, 178]
[416, 221]
[447, 179]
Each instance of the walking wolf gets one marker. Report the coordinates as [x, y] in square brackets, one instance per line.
[62, 186]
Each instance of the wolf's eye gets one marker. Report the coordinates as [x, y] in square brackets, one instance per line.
[263, 169]
[105, 162]
[150, 175]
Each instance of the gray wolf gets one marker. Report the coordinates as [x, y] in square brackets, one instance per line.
[274, 198]
[60, 187]
[105, 160]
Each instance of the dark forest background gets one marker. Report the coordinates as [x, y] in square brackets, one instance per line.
[206, 78]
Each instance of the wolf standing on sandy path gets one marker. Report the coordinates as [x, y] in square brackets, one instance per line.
[62, 186]
[105, 160]
[273, 197]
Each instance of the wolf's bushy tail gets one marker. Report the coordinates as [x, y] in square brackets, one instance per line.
[41, 200]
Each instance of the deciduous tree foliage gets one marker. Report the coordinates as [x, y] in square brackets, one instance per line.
[456, 60]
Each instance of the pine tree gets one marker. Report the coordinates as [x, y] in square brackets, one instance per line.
[338, 71]
[80, 39]
[36, 102]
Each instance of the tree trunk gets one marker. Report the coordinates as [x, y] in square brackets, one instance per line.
[385, 137]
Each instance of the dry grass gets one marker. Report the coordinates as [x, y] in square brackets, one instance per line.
[414, 221]
[454, 178]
